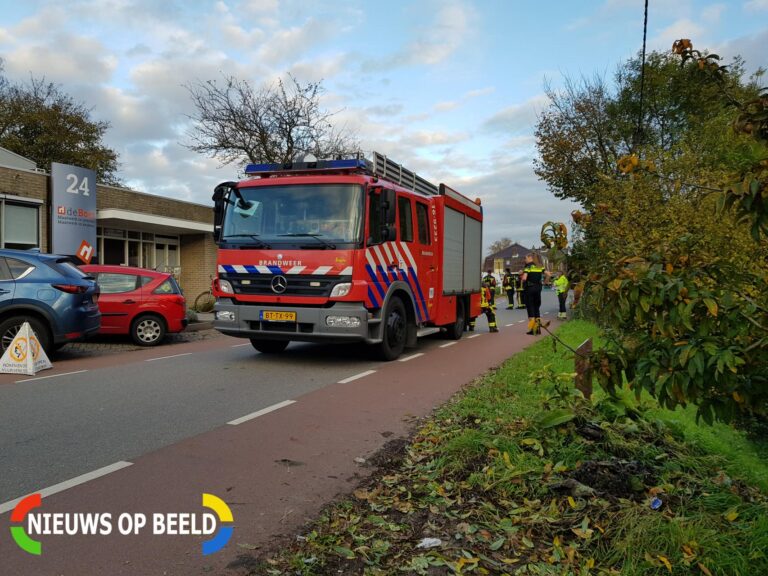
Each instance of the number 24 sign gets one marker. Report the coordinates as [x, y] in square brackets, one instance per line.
[74, 188]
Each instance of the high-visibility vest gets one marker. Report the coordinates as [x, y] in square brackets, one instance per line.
[485, 297]
[561, 284]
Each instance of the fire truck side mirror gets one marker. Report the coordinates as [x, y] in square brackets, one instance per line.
[219, 202]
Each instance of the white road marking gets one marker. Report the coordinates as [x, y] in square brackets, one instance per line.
[166, 357]
[520, 321]
[239, 345]
[449, 344]
[261, 412]
[411, 357]
[473, 336]
[508, 325]
[356, 376]
[10, 505]
[51, 376]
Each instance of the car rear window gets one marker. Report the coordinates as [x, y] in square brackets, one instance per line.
[66, 268]
[168, 287]
[18, 268]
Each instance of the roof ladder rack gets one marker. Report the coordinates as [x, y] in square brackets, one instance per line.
[394, 172]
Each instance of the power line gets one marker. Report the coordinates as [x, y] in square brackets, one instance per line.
[639, 130]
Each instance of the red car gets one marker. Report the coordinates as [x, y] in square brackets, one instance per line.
[143, 303]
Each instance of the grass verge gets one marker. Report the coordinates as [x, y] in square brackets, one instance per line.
[519, 475]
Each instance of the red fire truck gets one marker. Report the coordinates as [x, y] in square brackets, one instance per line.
[343, 251]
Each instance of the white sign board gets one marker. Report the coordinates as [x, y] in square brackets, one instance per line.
[24, 355]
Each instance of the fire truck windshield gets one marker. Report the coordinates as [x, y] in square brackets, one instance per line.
[294, 214]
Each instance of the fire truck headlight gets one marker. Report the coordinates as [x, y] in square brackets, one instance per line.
[225, 315]
[343, 321]
[226, 287]
[341, 289]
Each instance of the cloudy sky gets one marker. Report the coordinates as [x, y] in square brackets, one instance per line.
[450, 88]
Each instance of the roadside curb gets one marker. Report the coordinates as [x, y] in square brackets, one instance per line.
[197, 326]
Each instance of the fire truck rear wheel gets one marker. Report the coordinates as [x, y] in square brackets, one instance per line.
[395, 330]
[454, 331]
[269, 346]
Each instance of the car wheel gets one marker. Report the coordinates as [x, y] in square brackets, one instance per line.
[148, 330]
[395, 330]
[11, 326]
[456, 330]
[269, 346]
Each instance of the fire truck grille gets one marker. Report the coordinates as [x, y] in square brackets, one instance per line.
[297, 284]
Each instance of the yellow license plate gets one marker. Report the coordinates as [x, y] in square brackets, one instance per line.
[275, 316]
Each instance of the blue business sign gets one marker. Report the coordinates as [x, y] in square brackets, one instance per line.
[73, 211]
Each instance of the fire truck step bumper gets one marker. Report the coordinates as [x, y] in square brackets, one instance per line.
[342, 322]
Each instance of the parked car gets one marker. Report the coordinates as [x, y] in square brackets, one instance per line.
[57, 299]
[143, 303]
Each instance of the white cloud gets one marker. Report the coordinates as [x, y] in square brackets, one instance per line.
[436, 41]
[446, 106]
[323, 67]
[444, 37]
[289, 44]
[756, 5]
[386, 110]
[712, 14]
[515, 203]
[480, 92]
[62, 58]
[751, 48]
[682, 28]
[424, 138]
[518, 117]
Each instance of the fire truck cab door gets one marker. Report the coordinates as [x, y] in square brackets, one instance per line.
[412, 264]
[426, 256]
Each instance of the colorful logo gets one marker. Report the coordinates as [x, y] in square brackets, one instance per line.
[158, 524]
[225, 532]
[20, 536]
[85, 252]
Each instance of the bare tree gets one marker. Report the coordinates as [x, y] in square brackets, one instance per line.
[499, 245]
[275, 123]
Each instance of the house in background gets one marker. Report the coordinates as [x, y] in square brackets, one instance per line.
[512, 257]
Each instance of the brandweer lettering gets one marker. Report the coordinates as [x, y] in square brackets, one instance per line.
[279, 262]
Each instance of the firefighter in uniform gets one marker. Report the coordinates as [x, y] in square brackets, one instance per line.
[520, 289]
[486, 307]
[508, 283]
[533, 277]
[491, 280]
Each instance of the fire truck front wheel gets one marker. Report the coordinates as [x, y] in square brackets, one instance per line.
[269, 346]
[395, 330]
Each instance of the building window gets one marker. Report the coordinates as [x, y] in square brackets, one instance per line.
[140, 249]
[20, 228]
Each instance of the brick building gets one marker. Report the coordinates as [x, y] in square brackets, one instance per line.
[512, 257]
[133, 228]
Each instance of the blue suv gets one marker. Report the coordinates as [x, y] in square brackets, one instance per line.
[59, 301]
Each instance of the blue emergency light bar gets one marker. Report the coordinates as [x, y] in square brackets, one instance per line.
[353, 164]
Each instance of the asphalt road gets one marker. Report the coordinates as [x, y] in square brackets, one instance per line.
[160, 404]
